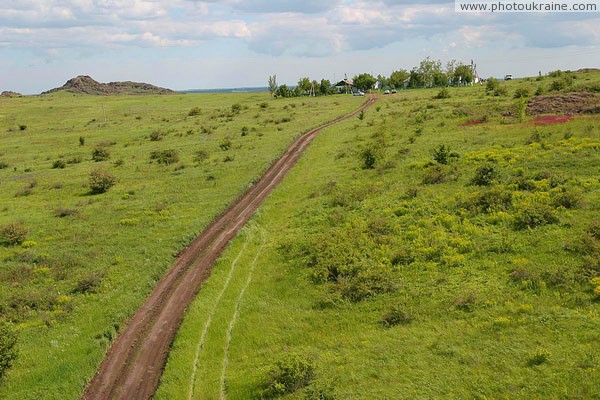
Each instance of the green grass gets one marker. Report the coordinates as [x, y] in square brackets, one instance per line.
[89, 260]
[497, 311]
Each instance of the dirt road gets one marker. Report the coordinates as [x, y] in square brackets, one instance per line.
[134, 363]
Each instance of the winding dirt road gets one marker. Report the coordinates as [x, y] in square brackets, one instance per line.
[133, 365]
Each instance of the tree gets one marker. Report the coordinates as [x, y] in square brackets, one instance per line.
[463, 75]
[325, 87]
[273, 84]
[304, 85]
[8, 352]
[383, 81]
[397, 78]
[416, 78]
[364, 81]
[430, 70]
[283, 91]
[492, 85]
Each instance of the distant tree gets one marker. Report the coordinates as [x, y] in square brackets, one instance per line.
[463, 74]
[325, 87]
[383, 81]
[314, 87]
[450, 68]
[304, 85]
[283, 91]
[397, 78]
[416, 78]
[273, 84]
[430, 70]
[364, 81]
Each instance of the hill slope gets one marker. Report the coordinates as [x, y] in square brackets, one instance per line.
[84, 84]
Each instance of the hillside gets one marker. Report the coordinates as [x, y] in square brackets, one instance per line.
[84, 84]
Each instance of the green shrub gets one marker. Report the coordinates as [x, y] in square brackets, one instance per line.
[166, 157]
[361, 115]
[3, 164]
[501, 91]
[538, 358]
[521, 93]
[81, 141]
[485, 175]
[194, 111]
[396, 315]
[369, 158]
[435, 174]
[319, 393]
[533, 211]
[225, 143]
[59, 164]
[100, 154]
[466, 302]
[443, 155]
[492, 84]
[567, 197]
[236, 108]
[8, 350]
[13, 234]
[101, 180]
[289, 374]
[61, 212]
[200, 156]
[492, 200]
[88, 284]
[156, 135]
[444, 93]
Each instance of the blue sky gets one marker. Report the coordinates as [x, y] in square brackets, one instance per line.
[184, 44]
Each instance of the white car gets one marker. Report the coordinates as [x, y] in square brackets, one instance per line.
[359, 93]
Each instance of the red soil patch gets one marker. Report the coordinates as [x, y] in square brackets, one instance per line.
[476, 122]
[552, 119]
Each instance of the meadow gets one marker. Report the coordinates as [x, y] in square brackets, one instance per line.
[76, 260]
[432, 248]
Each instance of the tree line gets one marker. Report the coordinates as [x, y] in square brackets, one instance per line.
[429, 73]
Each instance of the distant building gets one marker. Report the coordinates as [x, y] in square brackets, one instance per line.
[344, 86]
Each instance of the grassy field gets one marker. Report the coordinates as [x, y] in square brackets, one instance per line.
[435, 249]
[89, 260]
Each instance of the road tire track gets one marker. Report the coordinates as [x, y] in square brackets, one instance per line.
[133, 365]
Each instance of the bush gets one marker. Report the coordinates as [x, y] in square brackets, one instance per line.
[289, 374]
[59, 164]
[439, 174]
[494, 199]
[396, 315]
[62, 212]
[443, 155]
[13, 234]
[156, 135]
[538, 358]
[485, 175]
[101, 181]
[567, 197]
[236, 108]
[3, 164]
[492, 84]
[88, 284]
[532, 212]
[200, 156]
[166, 157]
[501, 91]
[81, 141]
[466, 302]
[444, 93]
[521, 93]
[8, 351]
[225, 144]
[194, 111]
[100, 154]
[369, 158]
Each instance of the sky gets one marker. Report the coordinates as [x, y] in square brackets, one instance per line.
[202, 44]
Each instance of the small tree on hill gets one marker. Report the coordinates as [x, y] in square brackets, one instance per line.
[272, 84]
[8, 351]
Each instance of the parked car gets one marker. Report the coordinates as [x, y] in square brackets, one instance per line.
[508, 77]
[394, 91]
[386, 92]
[359, 93]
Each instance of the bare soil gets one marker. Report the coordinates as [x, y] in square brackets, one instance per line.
[133, 365]
[565, 103]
